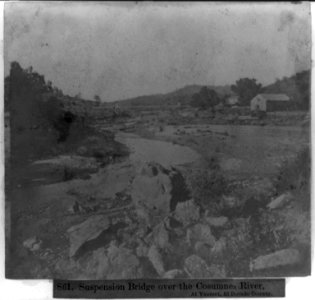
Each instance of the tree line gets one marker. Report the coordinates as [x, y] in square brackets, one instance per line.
[297, 87]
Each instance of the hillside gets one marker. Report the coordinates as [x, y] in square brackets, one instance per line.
[182, 95]
[297, 87]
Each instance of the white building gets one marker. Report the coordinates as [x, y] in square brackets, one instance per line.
[232, 100]
[269, 102]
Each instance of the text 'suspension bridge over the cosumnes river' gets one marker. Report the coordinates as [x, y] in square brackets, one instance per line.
[178, 288]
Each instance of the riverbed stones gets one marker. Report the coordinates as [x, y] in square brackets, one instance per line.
[187, 212]
[88, 230]
[279, 258]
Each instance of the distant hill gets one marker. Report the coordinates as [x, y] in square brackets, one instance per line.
[297, 87]
[182, 95]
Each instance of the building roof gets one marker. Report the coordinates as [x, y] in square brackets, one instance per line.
[275, 97]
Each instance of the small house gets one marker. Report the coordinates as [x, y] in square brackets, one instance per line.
[232, 100]
[270, 102]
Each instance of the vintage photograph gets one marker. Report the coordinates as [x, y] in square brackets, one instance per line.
[157, 140]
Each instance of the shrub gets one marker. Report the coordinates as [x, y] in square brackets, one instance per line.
[208, 185]
[294, 175]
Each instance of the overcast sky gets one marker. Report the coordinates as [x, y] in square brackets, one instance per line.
[119, 51]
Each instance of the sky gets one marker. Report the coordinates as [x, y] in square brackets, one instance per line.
[119, 51]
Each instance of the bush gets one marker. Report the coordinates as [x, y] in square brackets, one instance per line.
[268, 231]
[208, 185]
[294, 175]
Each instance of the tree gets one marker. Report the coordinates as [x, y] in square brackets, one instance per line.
[205, 98]
[246, 89]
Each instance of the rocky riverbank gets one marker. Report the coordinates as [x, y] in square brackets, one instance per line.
[138, 218]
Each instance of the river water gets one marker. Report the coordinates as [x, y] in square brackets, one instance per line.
[164, 153]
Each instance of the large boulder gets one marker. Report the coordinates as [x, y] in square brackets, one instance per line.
[88, 230]
[285, 257]
[151, 188]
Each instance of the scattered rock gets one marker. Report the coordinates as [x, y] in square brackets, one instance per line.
[217, 271]
[260, 189]
[219, 246]
[279, 258]
[156, 260]
[97, 266]
[231, 164]
[160, 236]
[280, 201]
[75, 208]
[150, 170]
[201, 233]
[196, 267]
[217, 221]
[229, 202]
[187, 212]
[171, 274]
[142, 249]
[88, 230]
[32, 244]
[123, 264]
[143, 213]
[202, 249]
